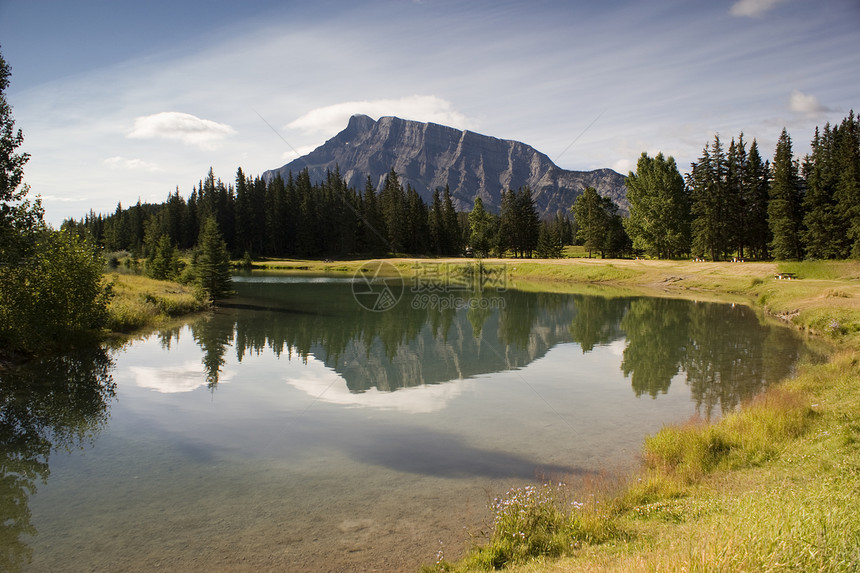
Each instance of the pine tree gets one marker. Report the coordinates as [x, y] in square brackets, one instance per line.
[20, 220]
[549, 242]
[507, 236]
[784, 209]
[824, 234]
[163, 263]
[591, 220]
[528, 222]
[847, 192]
[453, 234]
[736, 197]
[374, 233]
[710, 203]
[481, 224]
[756, 185]
[212, 262]
[393, 203]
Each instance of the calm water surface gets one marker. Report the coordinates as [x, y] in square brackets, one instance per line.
[296, 430]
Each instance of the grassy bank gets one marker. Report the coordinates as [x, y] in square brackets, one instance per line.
[771, 487]
[140, 302]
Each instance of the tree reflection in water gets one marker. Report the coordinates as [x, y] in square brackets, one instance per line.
[725, 352]
[57, 403]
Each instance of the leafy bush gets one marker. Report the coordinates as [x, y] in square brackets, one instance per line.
[54, 297]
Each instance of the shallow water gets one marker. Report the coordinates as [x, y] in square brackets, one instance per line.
[296, 430]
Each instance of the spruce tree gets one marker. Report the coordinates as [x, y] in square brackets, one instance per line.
[756, 183]
[784, 209]
[710, 204]
[436, 223]
[847, 192]
[212, 262]
[528, 222]
[591, 220]
[453, 234]
[481, 224]
[393, 203]
[824, 236]
[507, 236]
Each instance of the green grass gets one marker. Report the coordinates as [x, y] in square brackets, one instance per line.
[822, 270]
[141, 302]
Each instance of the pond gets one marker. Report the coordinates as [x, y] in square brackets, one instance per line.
[351, 424]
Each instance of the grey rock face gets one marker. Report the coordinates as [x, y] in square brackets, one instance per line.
[429, 156]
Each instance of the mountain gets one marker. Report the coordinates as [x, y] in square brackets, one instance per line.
[428, 155]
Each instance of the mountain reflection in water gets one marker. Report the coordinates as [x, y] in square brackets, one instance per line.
[721, 349]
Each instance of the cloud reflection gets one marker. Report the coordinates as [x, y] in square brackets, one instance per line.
[171, 379]
[326, 385]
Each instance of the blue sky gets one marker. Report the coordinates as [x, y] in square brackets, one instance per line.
[125, 100]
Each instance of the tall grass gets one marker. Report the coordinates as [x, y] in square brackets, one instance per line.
[140, 302]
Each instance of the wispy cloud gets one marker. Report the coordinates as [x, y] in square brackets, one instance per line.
[753, 8]
[62, 199]
[331, 119]
[184, 127]
[118, 162]
[807, 105]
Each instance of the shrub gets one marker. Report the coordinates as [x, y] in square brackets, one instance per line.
[56, 296]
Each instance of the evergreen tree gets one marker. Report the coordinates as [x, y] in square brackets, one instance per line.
[659, 221]
[453, 242]
[436, 223]
[244, 215]
[528, 223]
[417, 229]
[393, 202]
[784, 210]
[549, 242]
[710, 196]
[824, 235]
[736, 197]
[599, 225]
[507, 236]
[482, 232]
[21, 221]
[847, 192]
[374, 234]
[211, 266]
[756, 187]
[163, 264]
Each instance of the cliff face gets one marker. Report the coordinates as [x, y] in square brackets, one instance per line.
[428, 155]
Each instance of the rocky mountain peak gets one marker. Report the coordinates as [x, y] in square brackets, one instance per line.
[429, 156]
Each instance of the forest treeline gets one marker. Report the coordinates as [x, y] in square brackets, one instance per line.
[734, 204]
[300, 218]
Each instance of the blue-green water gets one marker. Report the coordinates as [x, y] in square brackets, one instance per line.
[295, 430]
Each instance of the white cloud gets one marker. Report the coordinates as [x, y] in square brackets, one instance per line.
[808, 105]
[331, 119]
[753, 8]
[185, 127]
[624, 166]
[299, 151]
[63, 199]
[117, 162]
